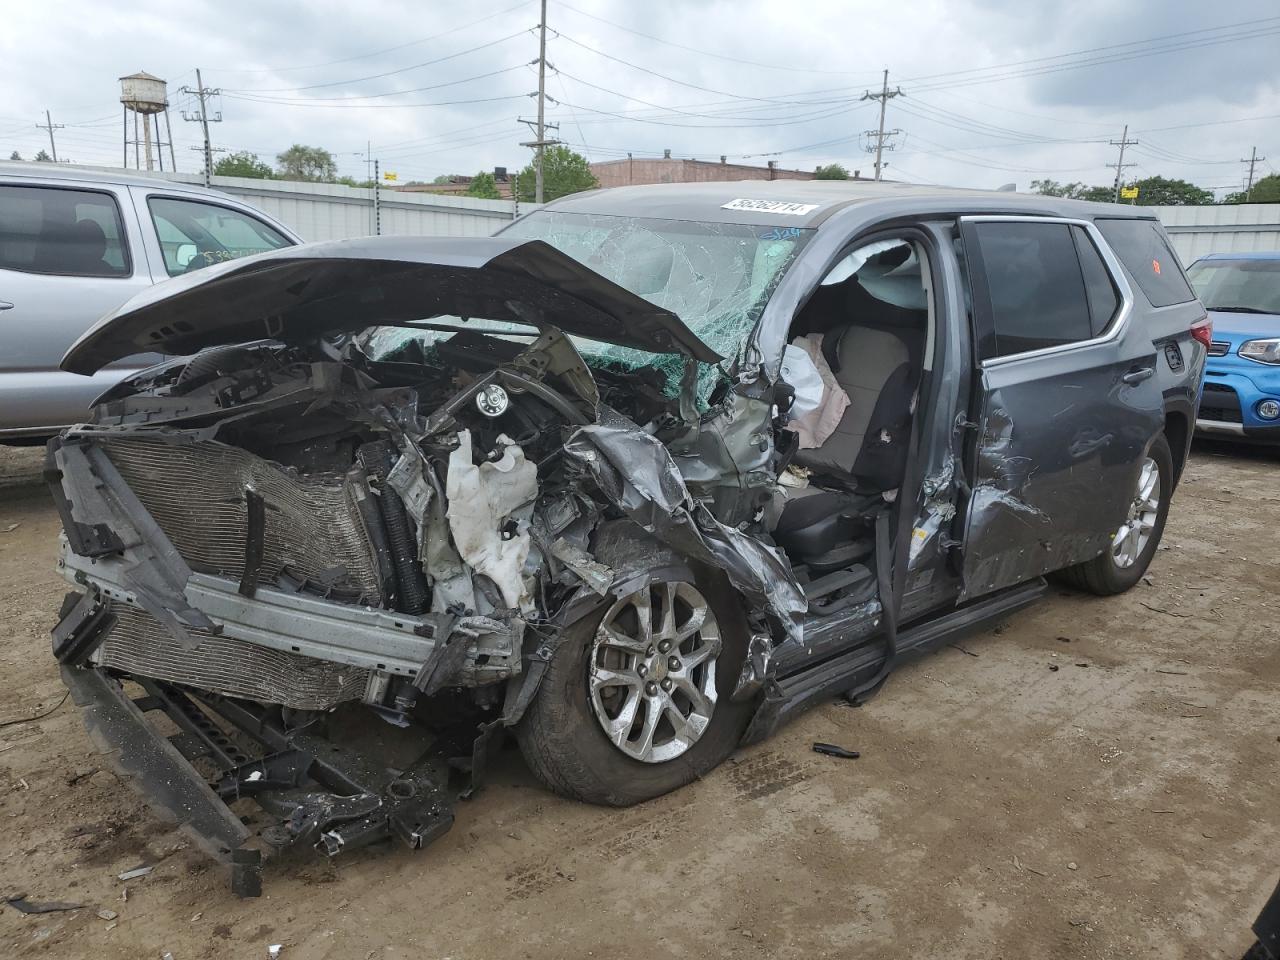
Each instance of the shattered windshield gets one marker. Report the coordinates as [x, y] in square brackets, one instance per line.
[717, 277]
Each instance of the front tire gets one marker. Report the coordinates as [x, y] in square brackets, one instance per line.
[1134, 544]
[636, 701]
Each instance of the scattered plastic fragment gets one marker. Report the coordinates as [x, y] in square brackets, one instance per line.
[20, 903]
[106, 914]
[135, 873]
[273, 951]
[831, 750]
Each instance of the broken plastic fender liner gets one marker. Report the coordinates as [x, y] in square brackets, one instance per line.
[636, 472]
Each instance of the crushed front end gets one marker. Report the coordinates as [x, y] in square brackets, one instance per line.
[324, 578]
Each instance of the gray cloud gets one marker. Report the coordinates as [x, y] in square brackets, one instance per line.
[802, 109]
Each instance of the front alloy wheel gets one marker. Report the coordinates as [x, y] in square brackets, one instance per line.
[637, 699]
[1129, 542]
[652, 671]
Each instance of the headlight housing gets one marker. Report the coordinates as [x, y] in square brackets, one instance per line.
[1263, 351]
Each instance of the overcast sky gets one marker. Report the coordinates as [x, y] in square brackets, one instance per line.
[994, 91]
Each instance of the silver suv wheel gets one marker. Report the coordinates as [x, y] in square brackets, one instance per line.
[1131, 539]
[652, 672]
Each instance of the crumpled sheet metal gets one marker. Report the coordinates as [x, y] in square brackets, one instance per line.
[636, 472]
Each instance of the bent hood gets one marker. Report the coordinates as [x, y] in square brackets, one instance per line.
[339, 286]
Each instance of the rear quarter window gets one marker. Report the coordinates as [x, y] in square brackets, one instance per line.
[1145, 252]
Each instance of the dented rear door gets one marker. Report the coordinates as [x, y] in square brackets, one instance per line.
[1065, 401]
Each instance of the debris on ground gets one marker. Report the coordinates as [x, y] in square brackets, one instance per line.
[831, 750]
[135, 873]
[20, 903]
[106, 914]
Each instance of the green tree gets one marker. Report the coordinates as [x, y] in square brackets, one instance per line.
[831, 171]
[44, 157]
[1266, 190]
[563, 172]
[1070, 191]
[484, 187]
[243, 164]
[15, 155]
[445, 179]
[301, 162]
[1159, 192]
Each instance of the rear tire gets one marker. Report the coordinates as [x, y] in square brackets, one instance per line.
[1133, 546]
[563, 734]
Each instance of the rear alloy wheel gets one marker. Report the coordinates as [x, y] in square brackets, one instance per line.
[1134, 543]
[636, 701]
[1130, 541]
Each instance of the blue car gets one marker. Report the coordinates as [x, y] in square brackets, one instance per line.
[1241, 394]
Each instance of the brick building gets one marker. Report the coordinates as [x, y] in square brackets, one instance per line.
[668, 169]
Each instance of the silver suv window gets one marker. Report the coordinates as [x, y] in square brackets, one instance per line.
[53, 230]
[194, 234]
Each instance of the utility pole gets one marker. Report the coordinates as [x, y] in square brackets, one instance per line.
[1253, 159]
[879, 135]
[50, 126]
[377, 200]
[540, 126]
[1123, 142]
[203, 94]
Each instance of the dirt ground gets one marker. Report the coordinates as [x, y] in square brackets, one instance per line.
[1122, 805]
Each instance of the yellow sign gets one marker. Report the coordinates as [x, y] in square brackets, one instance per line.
[1129, 193]
[391, 176]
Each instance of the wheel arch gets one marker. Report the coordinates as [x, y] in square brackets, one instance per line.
[1177, 431]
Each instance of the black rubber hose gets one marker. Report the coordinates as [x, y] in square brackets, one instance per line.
[377, 459]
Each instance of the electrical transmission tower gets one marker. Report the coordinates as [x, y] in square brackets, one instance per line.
[203, 94]
[1123, 142]
[50, 126]
[880, 135]
[1252, 161]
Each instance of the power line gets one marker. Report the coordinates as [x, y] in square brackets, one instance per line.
[1077, 53]
[379, 76]
[375, 53]
[1101, 61]
[708, 53]
[385, 106]
[302, 101]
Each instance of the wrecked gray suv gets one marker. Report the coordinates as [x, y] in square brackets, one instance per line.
[636, 480]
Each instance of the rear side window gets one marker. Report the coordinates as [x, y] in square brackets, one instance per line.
[1034, 284]
[75, 233]
[1145, 252]
[194, 235]
[1099, 288]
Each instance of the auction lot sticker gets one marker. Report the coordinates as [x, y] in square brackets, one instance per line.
[771, 206]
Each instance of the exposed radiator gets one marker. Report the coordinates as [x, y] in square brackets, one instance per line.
[196, 493]
[138, 644]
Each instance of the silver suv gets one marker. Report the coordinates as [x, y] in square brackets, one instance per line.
[76, 244]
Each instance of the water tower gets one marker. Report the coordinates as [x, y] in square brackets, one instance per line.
[146, 97]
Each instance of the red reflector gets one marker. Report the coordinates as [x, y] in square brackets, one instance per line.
[1202, 330]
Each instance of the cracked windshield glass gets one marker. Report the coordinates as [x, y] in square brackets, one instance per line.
[717, 277]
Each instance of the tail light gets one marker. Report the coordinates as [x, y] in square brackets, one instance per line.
[1202, 331]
